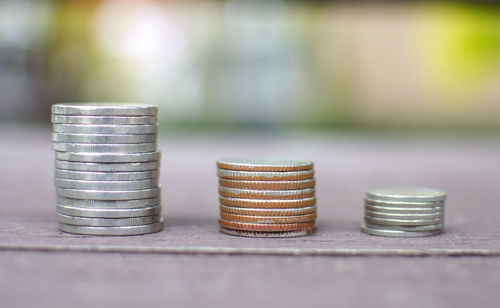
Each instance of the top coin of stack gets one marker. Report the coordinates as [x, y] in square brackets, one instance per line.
[107, 168]
[404, 212]
[266, 197]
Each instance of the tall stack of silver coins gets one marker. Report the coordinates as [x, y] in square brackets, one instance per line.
[266, 197]
[404, 212]
[107, 169]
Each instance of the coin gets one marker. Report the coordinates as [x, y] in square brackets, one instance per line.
[264, 227]
[284, 234]
[397, 233]
[108, 204]
[268, 185]
[106, 185]
[104, 148]
[124, 230]
[264, 164]
[402, 210]
[263, 203]
[268, 219]
[265, 176]
[107, 222]
[104, 109]
[268, 212]
[403, 216]
[109, 212]
[104, 120]
[406, 228]
[105, 129]
[152, 166]
[404, 204]
[109, 157]
[109, 195]
[103, 139]
[266, 194]
[401, 222]
[105, 176]
[409, 194]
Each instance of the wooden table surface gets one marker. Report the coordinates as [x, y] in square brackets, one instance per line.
[191, 264]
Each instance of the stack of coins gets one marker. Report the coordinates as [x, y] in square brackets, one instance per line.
[107, 169]
[404, 212]
[266, 197]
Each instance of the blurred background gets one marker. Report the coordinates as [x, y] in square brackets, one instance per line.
[257, 64]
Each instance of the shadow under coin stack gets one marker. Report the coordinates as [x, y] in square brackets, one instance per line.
[267, 197]
[404, 212]
[107, 169]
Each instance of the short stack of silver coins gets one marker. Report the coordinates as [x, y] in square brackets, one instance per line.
[404, 212]
[107, 169]
[266, 197]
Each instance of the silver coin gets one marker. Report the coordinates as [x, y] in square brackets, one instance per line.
[397, 233]
[265, 176]
[105, 120]
[126, 230]
[104, 148]
[106, 185]
[266, 194]
[378, 214]
[406, 228]
[109, 195]
[107, 222]
[103, 139]
[409, 194]
[404, 204]
[107, 167]
[108, 204]
[109, 157]
[108, 213]
[402, 222]
[106, 129]
[104, 109]
[264, 164]
[105, 176]
[402, 210]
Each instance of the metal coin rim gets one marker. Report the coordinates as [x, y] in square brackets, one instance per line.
[264, 227]
[107, 167]
[397, 194]
[406, 228]
[268, 185]
[268, 212]
[268, 219]
[409, 211]
[105, 176]
[267, 203]
[403, 216]
[257, 234]
[109, 129]
[404, 204]
[103, 139]
[401, 222]
[104, 109]
[265, 176]
[105, 148]
[108, 204]
[106, 185]
[107, 212]
[396, 233]
[109, 195]
[109, 157]
[264, 164]
[113, 231]
[103, 120]
[107, 222]
[266, 194]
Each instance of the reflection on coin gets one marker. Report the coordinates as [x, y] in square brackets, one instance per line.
[268, 212]
[264, 227]
[106, 185]
[402, 210]
[103, 139]
[104, 109]
[409, 194]
[397, 233]
[284, 234]
[125, 230]
[105, 176]
[401, 222]
[109, 195]
[263, 203]
[108, 213]
[106, 129]
[265, 176]
[107, 222]
[403, 216]
[266, 194]
[268, 219]
[104, 120]
[108, 204]
[268, 185]
[404, 204]
[107, 167]
[264, 164]
[406, 228]
[109, 157]
[104, 148]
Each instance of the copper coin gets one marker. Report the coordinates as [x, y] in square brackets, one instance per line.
[284, 234]
[265, 176]
[264, 227]
[264, 164]
[268, 212]
[268, 185]
[268, 204]
[266, 194]
[268, 219]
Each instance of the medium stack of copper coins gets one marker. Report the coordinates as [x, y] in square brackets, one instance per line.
[266, 197]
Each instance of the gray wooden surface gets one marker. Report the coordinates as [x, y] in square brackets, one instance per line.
[191, 264]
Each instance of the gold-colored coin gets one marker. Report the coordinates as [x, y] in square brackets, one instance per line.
[265, 164]
[265, 176]
[266, 194]
[268, 212]
[283, 234]
[268, 185]
[268, 219]
[264, 227]
[268, 204]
